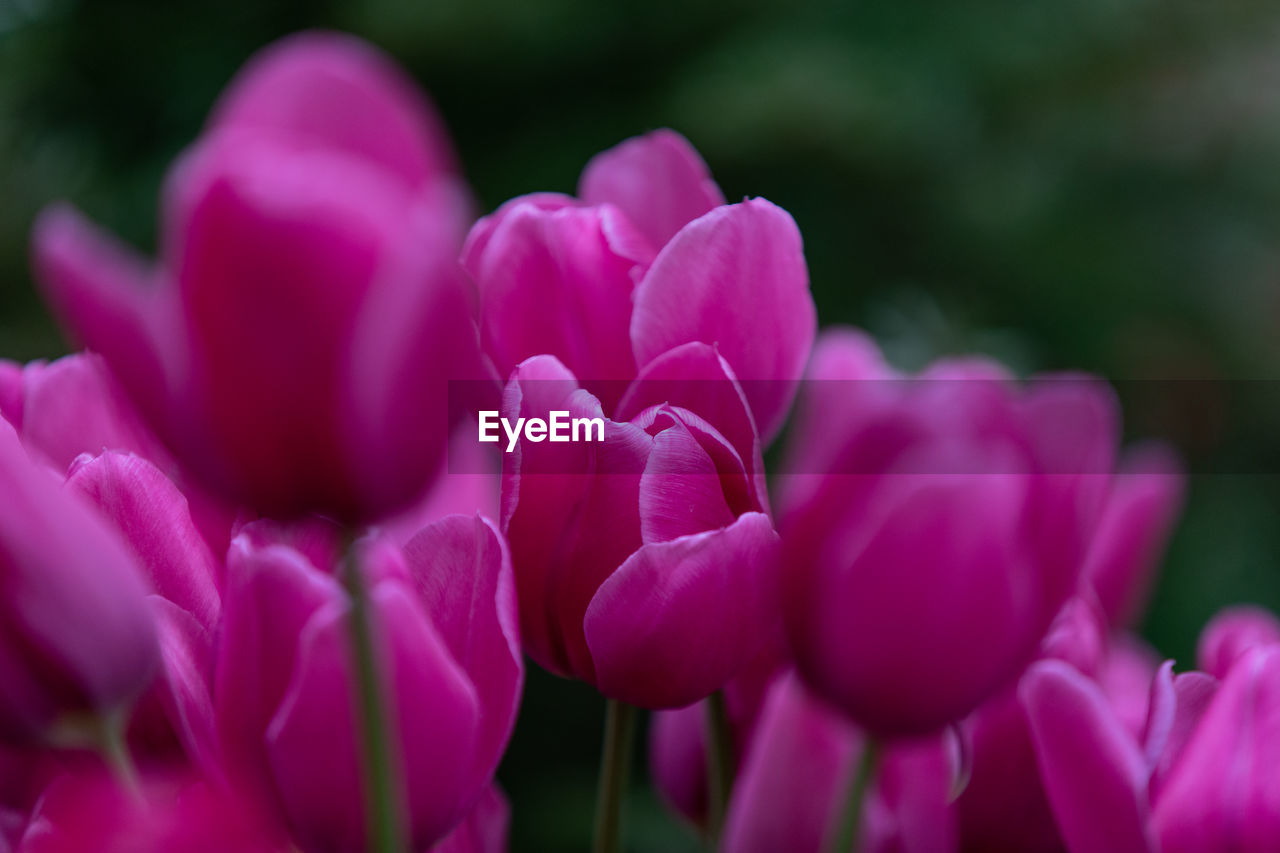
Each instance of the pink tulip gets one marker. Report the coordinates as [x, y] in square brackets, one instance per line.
[793, 788]
[1145, 499]
[933, 528]
[77, 635]
[443, 611]
[647, 259]
[293, 343]
[1101, 779]
[647, 563]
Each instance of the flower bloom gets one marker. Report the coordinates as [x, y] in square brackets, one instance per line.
[933, 528]
[646, 564]
[793, 788]
[443, 615]
[293, 343]
[648, 258]
[77, 637]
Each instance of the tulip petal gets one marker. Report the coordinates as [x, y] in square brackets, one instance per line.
[716, 592]
[658, 180]
[570, 512]
[271, 593]
[335, 91]
[1222, 793]
[1232, 632]
[11, 395]
[680, 490]
[103, 296]
[485, 829]
[734, 279]
[153, 516]
[678, 760]
[791, 786]
[558, 282]
[1146, 496]
[186, 652]
[1175, 707]
[432, 722]
[461, 571]
[1092, 769]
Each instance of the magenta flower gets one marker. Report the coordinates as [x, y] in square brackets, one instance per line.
[293, 343]
[646, 564]
[649, 258]
[443, 613]
[793, 787]
[77, 636]
[933, 528]
[1232, 632]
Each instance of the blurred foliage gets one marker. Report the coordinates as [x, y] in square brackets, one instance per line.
[1087, 185]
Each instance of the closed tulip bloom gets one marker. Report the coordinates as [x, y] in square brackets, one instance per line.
[648, 258]
[793, 787]
[646, 564]
[293, 342]
[77, 636]
[933, 528]
[443, 612]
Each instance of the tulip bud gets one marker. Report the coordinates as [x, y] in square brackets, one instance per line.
[933, 528]
[294, 342]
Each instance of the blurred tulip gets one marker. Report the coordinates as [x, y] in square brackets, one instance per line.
[294, 343]
[933, 527]
[1144, 501]
[1232, 632]
[1222, 794]
[484, 830]
[76, 635]
[794, 786]
[92, 811]
[443, 613]
[647, 259]
[646, 563]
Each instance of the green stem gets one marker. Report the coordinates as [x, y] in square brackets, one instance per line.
[719, 764]
[381, 791]
[115, 751]
[615, 770]
[847, 839]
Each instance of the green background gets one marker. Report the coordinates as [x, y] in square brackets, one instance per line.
[1090, 184]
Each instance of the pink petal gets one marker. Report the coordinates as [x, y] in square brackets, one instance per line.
[1175, 708]
[678, 761]
[485, 829]
[11, 394]
[432, 727]
[334, 91]
[103, 295]
[153, 516]
[77, 634]
[695, 377]
[680, 491]
[792, 784]
[734, 279]
[1092, 770]
[271, 594]
[1222, 792]
[1146, 496]
[557, 282]
[461, 571]
[658, 180]
[1232, 632]
[570, 512]
[679, 619]
[186, 651]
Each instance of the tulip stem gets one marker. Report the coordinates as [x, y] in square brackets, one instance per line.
[719, 764]
[615, 771]
[115, 751]
[382, 801]
[847, 840]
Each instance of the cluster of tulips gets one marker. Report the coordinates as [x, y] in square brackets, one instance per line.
[262, 589]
